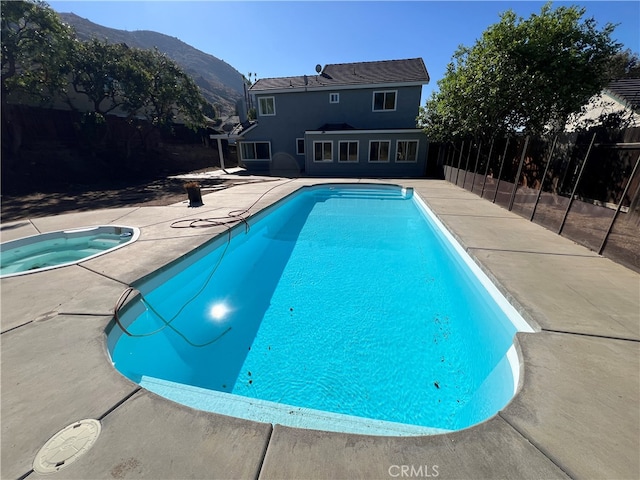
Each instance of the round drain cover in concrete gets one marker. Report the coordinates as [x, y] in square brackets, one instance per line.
[66, 446]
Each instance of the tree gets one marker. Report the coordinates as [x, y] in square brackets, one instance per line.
[162, 92]
[35, 46]
[521, 75]
[114, 78]
[100, 73]
[624, 64]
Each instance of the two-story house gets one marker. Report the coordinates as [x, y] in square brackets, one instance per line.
[350, 119]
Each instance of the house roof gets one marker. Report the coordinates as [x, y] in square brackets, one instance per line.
[621, 97]
[331, 127]
[628, 90]
[410, 71]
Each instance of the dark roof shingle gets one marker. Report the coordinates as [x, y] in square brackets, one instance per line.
[382, 72]
[627, 89]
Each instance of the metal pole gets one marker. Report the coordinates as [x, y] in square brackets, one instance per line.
[447, 163]
[475, 169]
[504, 155]
[515, 182]
[486, 168]
[544, 176]
[575, 186]
[466, 167]
[459, 161]
[615, 215]
[452, 153]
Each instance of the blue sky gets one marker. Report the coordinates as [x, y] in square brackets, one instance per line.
[283, 38]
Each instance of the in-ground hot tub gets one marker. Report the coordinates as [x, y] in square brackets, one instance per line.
[61, 248]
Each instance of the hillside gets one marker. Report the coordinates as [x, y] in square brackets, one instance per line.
[220, 83]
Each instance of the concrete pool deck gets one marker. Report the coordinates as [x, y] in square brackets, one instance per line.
[577, 414]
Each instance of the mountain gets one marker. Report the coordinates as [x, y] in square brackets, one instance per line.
[220, 83]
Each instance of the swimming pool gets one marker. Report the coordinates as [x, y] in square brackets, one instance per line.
[344, 308]
[61, 248]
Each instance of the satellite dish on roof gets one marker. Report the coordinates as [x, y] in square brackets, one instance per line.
[318, 68]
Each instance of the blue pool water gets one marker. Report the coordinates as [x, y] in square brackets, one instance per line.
[56, 249]
[345, 308]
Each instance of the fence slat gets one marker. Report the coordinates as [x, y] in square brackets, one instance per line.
[615, 215]
[466, 167]
[544, 177]
[459, 161]
[504, 155]
[515, 182]
[486, 168]
[575, 186]
[475, 170]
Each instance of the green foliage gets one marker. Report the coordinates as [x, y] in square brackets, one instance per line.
[139, 83]
[521, 75]
[99, 74]
[162, 92]
[624, 64]
[41, 58]
[35, 49]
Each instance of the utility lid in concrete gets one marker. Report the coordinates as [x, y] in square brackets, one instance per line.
[66, 446]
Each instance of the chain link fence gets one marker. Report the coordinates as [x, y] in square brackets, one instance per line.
[584, 186]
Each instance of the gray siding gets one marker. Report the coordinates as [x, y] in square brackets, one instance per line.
[363, 167]
[299, 111]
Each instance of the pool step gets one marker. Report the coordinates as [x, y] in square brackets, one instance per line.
[277, 413]
[104, 243]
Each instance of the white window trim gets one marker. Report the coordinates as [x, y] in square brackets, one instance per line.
[334, 97]
[369, 152]
[261, 113]
[357, 142]
[298, 152]
[417, 142]
[254, 159]
[314, 151]
[395, 102]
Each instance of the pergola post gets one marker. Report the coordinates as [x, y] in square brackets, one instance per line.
[220, 153]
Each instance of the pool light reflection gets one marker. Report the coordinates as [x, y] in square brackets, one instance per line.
[219, 311]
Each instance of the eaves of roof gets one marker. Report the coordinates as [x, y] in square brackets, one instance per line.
[382, 74]
[625, 91]
[357, 131]
[335, 88]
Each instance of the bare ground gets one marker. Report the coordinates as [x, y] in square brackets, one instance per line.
[77, 198]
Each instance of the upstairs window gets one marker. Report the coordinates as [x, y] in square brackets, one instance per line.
[407, 151]
[267, 106]
[384, 101]
[334, 98]
[300, 146]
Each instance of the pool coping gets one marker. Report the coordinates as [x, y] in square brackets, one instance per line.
[576, 414]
